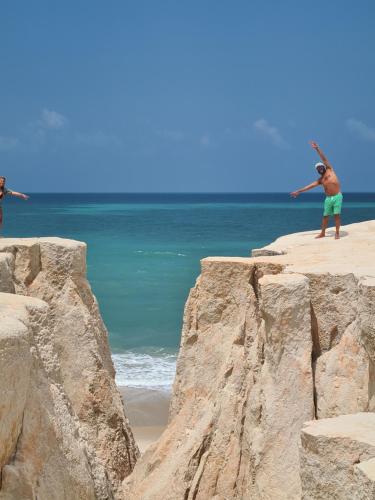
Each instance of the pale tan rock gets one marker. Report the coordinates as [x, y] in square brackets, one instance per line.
[15, 364]
[364, 474]
[54, 270]
[42, 453]
[266, 343]
[285, 388]
[259, 355]
[338, 458]
[343, 377]
[366, 313]
[244, 368]
[302, 253]
[199, 453]
[334, 305]
[6, 274]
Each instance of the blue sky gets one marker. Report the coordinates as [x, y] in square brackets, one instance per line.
[185, 95]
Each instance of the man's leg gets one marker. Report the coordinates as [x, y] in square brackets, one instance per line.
[324, 227]
[338, 224]
[326, 214]
[337, 212]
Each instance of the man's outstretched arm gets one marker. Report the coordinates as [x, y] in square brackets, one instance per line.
[323, 157]
[306, 188]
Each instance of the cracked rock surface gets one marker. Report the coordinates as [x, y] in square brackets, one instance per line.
[268, 343]
[338, 458]
[63, 432]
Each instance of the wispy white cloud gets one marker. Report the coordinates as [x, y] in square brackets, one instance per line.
[271, 132]
[38, 131]
[52, 120]
[8, 143]
[361, 130]
[172, 135]
[98, 139]
[205, 140]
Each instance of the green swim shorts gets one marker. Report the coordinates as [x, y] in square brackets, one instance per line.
[332, 205]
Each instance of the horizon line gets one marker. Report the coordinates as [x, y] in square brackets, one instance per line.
[187, 192]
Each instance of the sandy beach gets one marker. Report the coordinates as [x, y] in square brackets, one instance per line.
[147, 410]
[145, 436]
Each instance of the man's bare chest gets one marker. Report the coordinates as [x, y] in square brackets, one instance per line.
[330, 179]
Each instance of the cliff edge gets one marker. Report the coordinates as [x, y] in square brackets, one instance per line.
[268, 343]
[63, 430]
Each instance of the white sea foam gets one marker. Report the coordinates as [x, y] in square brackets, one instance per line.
[153, 370]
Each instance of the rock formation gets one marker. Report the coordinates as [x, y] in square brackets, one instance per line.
[63, 431]
[338, 458]
[271, 344]
[268, 343]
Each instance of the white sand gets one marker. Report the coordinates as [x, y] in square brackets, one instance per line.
[145, 436]
[147, 411]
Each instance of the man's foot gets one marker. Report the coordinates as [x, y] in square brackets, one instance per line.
[337, 236]
[321, 235]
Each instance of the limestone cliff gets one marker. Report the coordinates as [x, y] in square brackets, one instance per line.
[63, 431]
[268, 343]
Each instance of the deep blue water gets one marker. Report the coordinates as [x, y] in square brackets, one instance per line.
[144, 249]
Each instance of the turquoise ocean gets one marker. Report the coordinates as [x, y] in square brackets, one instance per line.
[144, 252]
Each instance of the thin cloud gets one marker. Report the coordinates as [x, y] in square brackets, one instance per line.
[361, 130]
[52, 120]
[272, 133]
[8, 143]
[40, 131]
[205, 140]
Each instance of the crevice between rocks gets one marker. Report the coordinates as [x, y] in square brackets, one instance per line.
[193, 467]
[15, 451]
[240, 440]
[260, 269]
[254, 279]
[315, 353]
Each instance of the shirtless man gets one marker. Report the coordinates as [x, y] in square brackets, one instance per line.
[331, 185]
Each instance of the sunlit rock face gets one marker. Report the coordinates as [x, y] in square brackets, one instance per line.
[268, 343]
[63, 430]
[338, 458]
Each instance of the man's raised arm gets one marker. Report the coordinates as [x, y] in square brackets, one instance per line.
[323, 157]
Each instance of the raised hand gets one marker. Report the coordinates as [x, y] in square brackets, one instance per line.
[314, 145]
